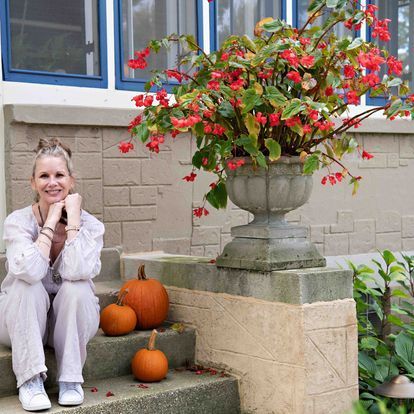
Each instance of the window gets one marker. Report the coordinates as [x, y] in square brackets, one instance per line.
[240, 16]
[142, 20]
[300, 17]
[401, 27]
[56, 42]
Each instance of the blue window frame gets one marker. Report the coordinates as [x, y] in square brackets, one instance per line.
[155, 23]
[401, 28]
[239, 17]
[59, 42]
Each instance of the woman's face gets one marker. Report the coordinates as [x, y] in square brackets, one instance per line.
[51, 179]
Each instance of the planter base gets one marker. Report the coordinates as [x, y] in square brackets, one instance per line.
[267, 248]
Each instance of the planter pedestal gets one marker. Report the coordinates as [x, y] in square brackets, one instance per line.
[261, 247]
[269, 242]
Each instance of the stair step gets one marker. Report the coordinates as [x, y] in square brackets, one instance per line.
[110, 356]
[181, 392]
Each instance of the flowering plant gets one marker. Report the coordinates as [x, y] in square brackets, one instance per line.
[286, 91]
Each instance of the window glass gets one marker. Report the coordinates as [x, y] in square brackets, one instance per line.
[401, 13]
[55, 36]
[239, 17]
[143, 20]
[302, 17]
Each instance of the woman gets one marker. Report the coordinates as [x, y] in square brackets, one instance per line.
[53, 251]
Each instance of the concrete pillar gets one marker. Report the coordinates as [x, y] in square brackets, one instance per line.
[290, 336]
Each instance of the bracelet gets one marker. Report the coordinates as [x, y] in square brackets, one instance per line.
[41, 241]
[74, 228]
[45, 234]
[48, 228]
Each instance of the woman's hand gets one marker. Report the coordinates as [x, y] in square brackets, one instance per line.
[54, 214]
[73, 204]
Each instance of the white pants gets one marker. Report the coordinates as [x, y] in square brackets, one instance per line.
[27, 321]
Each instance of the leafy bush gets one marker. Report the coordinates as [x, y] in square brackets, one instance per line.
[385, 313]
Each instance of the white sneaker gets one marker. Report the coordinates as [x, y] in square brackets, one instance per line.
[70, 393]
[33, 396]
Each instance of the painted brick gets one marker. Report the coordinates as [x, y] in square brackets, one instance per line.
[21, 194]
[379, 161]
[180, 148]
[174, 246]
[383, 143]
[137, 237]
[205, 235]
[21, 137]
[88, 144]
[390, 241]
[116, 196]
[157, 171]
[130, 213]
[408, 226]
[408, 244]
[317, 232]
[88, 165]
[224, 239]
[92, 196]
[197, 251]
[113, 235]
[336, 244]
[363, 239]
[143, 195]
[21, 165]
[406, 147]
[111, 137]
[122, 172]
[345, 222]
[388, 221]
[72, 131]
[393, 160]
[212, 251]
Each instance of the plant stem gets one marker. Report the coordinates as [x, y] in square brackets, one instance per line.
[151, 342]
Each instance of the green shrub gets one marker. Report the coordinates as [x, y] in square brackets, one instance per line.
[385, 314]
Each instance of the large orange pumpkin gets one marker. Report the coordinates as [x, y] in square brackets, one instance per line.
[150, 365]
[148, 298]
[117, 318]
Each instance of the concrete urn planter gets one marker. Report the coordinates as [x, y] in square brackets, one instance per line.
[269, 242]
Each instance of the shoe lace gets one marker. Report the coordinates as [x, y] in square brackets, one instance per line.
[66, 386]
[35, 385]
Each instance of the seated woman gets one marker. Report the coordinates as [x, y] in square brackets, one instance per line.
[53, 251]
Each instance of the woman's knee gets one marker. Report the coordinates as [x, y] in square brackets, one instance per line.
[75, 293]
[22, 291]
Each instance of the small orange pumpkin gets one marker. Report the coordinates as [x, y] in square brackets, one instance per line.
[118, 318]
[150, 365]
[148, 298]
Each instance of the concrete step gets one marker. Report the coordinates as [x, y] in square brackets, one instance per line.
[181, 392]
[110, 356]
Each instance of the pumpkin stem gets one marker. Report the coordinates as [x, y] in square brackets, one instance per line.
[151, 342]
[141, 273]
[121, 297]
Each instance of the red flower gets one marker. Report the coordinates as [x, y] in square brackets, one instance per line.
[190, 177]
[274, 119]
[307, 61]
[224, 57]
[329, 91]
[381, 30]
[173, 73]
[394, 65]
[291, 57]
[371, 79]
[94, 389]
[304, 41]
[366, 155]
[110, 394]
[294, 76]
[352, 97]
[136, 121]
[307, 129]
[207, 113]
[261, 119]
[213, 85]
[125, 147]
[200, 211]
[233, 165]
[349, 71]
[371, 60]
[139, 62]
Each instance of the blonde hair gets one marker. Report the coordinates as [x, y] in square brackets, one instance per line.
[53, 148]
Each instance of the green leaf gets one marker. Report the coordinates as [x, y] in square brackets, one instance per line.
[178, 327]
[331, 3]
[366, 362]
[274, 149]
[191, 42]
[252, 125]
[248, 43]
[217, 196]
[388, 257]
[311, 164]
[357, 42]
[369, 343]
[315, 5]
[250, 99]
[226, 109]
[394, 82]
[273, 26]
[142, 131]
[404, 346]
[395, 320]
[293, 108]
[274, 96]
[261, 160]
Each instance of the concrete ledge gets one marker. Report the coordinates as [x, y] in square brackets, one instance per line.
[67, 115]
[288, 286]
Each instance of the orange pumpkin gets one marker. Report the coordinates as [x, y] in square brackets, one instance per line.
[118, 318]
[148, 298]
[150, 365]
